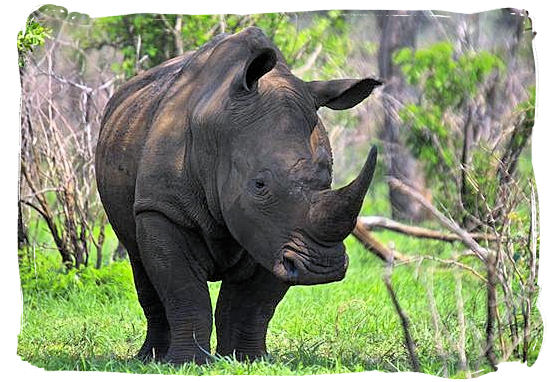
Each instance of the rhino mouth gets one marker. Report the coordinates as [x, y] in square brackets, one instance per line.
[306, 264]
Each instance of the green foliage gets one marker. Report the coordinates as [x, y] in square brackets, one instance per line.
[527, 109]
[156, 36]
[329, 30]
[484, 186]
[34, 35]
[444, 78]
[43, 274]
[447, 81]
[122, 32]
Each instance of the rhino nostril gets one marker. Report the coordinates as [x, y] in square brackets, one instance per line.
[290, 267]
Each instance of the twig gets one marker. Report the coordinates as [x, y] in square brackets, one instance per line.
[453, 262]
[532, 275]
[491, 311]
[411, 347]
[436, 323]
[309, 62]
[461, 324]
[465, 237]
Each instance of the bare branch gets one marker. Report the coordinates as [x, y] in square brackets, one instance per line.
[465, 237]
[451, 262]
[405, 323]
[309, 62]
[373, 222]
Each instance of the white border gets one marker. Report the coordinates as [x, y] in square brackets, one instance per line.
[14, 16]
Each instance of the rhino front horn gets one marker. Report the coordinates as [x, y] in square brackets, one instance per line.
[333, 213]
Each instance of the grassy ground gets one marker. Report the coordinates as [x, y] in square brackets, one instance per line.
[91, 320]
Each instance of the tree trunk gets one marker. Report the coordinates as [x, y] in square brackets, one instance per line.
[22, 238]
[120, 252]
[178, 36]
[396, 33]
[99, 247]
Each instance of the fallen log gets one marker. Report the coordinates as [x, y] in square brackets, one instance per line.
[390, 255]
[370, 243]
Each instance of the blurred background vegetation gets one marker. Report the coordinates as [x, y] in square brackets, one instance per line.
[451, 216]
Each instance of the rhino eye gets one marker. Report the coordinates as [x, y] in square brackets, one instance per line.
[258, 187]
[259, 184]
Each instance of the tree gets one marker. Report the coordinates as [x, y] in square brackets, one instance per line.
[396, 33]
[33, 36]
[147, 40]
[61, 111]
[438, 133]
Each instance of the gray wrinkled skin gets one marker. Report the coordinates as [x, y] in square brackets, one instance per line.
[215, 166]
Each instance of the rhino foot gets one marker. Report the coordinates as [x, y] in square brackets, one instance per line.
[152, 352]
[178, 358]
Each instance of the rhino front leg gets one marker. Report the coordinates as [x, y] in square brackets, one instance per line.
[181, 285]
[243, 312]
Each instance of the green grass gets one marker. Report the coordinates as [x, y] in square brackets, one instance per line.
[91, 320]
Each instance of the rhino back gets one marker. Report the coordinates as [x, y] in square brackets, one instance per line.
[126, 124]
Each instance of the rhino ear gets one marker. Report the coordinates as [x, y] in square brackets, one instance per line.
[341, 94]
[261, 63]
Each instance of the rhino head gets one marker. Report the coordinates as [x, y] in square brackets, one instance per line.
[273, 159]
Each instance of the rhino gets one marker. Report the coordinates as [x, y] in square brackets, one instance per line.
[214, 166]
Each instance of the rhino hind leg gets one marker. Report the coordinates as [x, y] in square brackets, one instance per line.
[157, 339]
[243, 312]
[180, 285]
